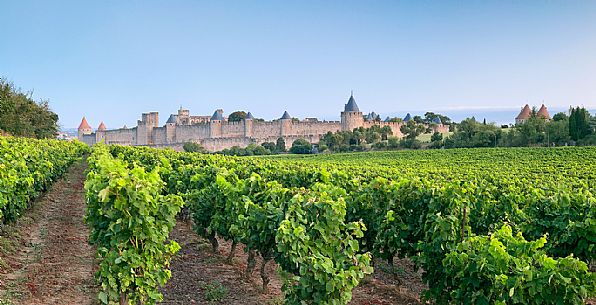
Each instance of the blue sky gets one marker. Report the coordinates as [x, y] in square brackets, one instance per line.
[112, 60]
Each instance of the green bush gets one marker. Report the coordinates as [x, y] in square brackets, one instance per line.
[506, 269]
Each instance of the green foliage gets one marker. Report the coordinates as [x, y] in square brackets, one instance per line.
[471, 133]
[301, 146]
[320, 249]
[280, 145]
[130, 222]
[309, 213]
[237, 116]
[412, 129]
[250, 150]
[356, 140]
[270, 146]
[579, 126]
[28, 167]
[506, 269]
[21, 116]
[214, 291]
[193, 147]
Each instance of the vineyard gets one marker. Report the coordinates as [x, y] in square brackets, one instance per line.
[487, 226]
[28, 167]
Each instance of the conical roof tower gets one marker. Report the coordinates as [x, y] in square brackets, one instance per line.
[102, 127]
[84, 125]
[351, 106]
[525, 113]
[543, 113]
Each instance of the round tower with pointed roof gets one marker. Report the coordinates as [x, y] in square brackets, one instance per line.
[215, 124]
[543, 113]
[524, 114]
[248, 123]
[351, 117]
[286, 124]
[84, 129]
[100, 133]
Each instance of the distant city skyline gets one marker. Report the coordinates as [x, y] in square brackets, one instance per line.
[111, 61]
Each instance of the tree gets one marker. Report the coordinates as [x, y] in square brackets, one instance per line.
[418, 119]
[237, 116]
[430, 116]
[412, 129]
[269, 145]
[560, 116]
[437, 136]
[301, 146]
[21, 116]
[579, 126]
[471, 133]
[280, 145]
[193, 147]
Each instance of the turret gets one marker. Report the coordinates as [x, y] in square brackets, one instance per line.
[215, 128]
[351, 117]
[248, 123]
[145, 128]
[100, 133]
[286, 124]
[84, 129]
[543, 113]
[524, 115]
[171, 128]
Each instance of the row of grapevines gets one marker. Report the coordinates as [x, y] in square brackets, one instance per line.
[423, 216]
[28, 167]
[304, 230]
[130, 222]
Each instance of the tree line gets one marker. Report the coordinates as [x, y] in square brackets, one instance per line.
[577, 128]
[22, 116]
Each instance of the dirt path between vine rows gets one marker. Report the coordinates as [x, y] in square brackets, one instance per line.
[200, 276]
[47, 259]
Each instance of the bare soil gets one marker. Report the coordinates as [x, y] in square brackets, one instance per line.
[48, 259]
[200, 276]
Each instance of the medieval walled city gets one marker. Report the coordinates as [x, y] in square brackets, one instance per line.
[216, 133]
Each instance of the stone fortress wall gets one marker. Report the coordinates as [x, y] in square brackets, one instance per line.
[216, 133]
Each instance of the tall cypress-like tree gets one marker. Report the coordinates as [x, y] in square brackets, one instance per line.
[573, 125]
[579, 126]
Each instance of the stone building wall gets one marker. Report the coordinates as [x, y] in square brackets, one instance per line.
[88, 139]
[395, 127]
[121, 136]
[216, 133]
[313, 128]
[223, 143]
[232, 129]
[263, 130]
[191, 133]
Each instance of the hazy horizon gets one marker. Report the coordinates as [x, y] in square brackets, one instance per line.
[111, 61]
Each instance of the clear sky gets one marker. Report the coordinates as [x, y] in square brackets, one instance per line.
[112, 60]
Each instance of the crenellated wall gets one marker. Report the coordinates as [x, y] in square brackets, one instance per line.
[216, 135]
[313, 128]
[223, 143]
[188, 133]
[395, 127]
[232, 129]
[123, 136]
[266, 129]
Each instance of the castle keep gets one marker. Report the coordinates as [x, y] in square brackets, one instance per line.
[216, 132]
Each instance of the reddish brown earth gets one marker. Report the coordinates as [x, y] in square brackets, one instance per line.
[197, 272]
[47, 257]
